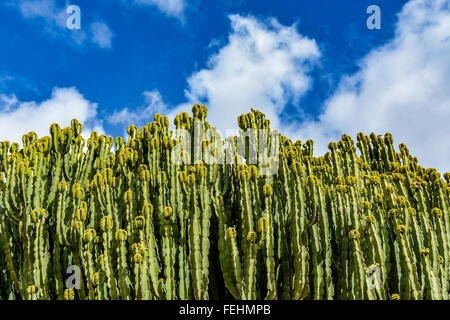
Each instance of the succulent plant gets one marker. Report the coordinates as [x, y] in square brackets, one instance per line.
[372, 224]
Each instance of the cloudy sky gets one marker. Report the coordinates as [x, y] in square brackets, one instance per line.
[313, 67]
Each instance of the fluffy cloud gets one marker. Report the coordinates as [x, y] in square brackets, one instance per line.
[141, 115]
[55, 18]
[401, 87]
[65, 104]
[101, 34]
[42, 8]
[264, 64]
[173, 8]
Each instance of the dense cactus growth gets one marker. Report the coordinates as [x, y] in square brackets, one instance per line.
[140, 224]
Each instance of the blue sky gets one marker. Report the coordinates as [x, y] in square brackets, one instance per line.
[312, 66]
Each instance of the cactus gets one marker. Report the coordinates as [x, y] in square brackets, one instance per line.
[180, 213]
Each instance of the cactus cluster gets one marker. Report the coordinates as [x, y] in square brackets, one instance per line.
[367, 224]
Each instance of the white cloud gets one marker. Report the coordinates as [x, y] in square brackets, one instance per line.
[173, 8]
[55, 17]
[264, 64]
[101, 34]
[18, 118]
[141, 115]
[44, 9]
[7, 102]
[401, 87]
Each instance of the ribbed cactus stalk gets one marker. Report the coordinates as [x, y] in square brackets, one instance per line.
[189, 214]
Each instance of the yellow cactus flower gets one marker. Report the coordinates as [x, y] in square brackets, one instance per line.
[69, 294]
[401, 201]
[296, 168]
[366, 205]
[251, 237]
[89, 234]
[436, 212]
[351, 181]
[121, 235]
[138, 258]
[354, 234]
[231, 232]
[147, 209]
[412, 211]
[81, 214]
[77, 225]
[267, 190]
[128, 196]
[106, 223]
[31, 289]
[401, 228]
[139, 222]
[167, 212]
[374, 180]
[392, 213]
[243, 175]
